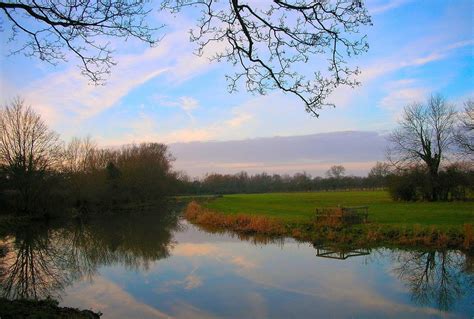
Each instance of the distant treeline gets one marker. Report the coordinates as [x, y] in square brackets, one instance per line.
[39, 173]
[457, 181]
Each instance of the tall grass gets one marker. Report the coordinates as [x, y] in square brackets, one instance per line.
[364, 235]
[240, 223]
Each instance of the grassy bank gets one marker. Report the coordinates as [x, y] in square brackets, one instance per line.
[300, 207]
[437, 225]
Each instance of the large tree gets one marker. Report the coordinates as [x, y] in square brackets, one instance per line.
[28, 150]
[465, 132]
[270, 42]
[426, 134]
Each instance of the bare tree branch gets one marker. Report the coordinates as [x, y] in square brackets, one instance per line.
[55, 27]
[273, 43]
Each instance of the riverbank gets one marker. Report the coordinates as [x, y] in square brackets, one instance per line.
[47, 308]
[429, 225]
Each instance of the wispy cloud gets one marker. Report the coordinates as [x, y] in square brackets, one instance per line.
[68, 96]
[108, 297]
[381, 6]
[186, 103]
[397, 99]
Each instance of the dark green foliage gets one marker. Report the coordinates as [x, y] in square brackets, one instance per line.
[454, 182]
[263, 183]
[409, 185]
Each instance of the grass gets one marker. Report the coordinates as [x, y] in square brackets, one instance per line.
[300, 207]
[415, 224]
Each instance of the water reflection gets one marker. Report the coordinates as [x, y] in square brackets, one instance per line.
[40, 260]
[326, 251]
[33, 265]
[434, 277]
[151, 266]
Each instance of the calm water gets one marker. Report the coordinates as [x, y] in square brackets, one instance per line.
[148, 267]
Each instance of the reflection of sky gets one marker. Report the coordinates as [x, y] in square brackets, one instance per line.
[225, 277]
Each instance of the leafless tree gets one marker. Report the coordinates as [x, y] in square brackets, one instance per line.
[425, 135]
[336, 171]
[78, 155]
[271, 43]
[378, 175]
[28, 148]
[380, 170]
[465, 133]
[56, 28]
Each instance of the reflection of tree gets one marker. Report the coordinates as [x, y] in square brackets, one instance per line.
[32, 267]
[42, 260]
[254, 238]
[434, 277]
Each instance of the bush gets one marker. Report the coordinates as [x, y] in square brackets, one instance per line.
[454, 182]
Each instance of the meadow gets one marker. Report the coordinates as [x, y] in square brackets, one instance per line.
[431, 225]
[300, 207]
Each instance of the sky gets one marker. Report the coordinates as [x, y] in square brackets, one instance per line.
[168, 94]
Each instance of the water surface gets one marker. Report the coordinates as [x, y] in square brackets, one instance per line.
[152, 267]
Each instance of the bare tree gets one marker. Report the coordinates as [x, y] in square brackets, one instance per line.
[336, 171]
[425, 135]
[78, 154]
[380, 170]
[378, 175]
[56, 28]
[465, 133]
[28, 148]
[271, 43]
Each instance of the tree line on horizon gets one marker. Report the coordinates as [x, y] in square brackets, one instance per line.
[430, 157]
[40, 173]
[457, 180]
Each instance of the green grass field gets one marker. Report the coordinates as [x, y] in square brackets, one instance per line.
[300, 207]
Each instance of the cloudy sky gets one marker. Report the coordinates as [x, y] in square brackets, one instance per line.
[167, 94]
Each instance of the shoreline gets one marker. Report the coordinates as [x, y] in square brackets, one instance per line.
[361, 235]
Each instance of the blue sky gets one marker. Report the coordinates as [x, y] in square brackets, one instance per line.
[167, 94]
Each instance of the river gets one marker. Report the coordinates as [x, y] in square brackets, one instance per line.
[155, 267]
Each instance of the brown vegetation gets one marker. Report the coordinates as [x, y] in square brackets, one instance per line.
[240, 223]
[364, 235]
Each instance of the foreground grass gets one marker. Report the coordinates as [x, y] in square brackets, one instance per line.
[300, 207]
[438, 225]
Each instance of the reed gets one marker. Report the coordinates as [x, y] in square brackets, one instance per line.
[240, 223]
